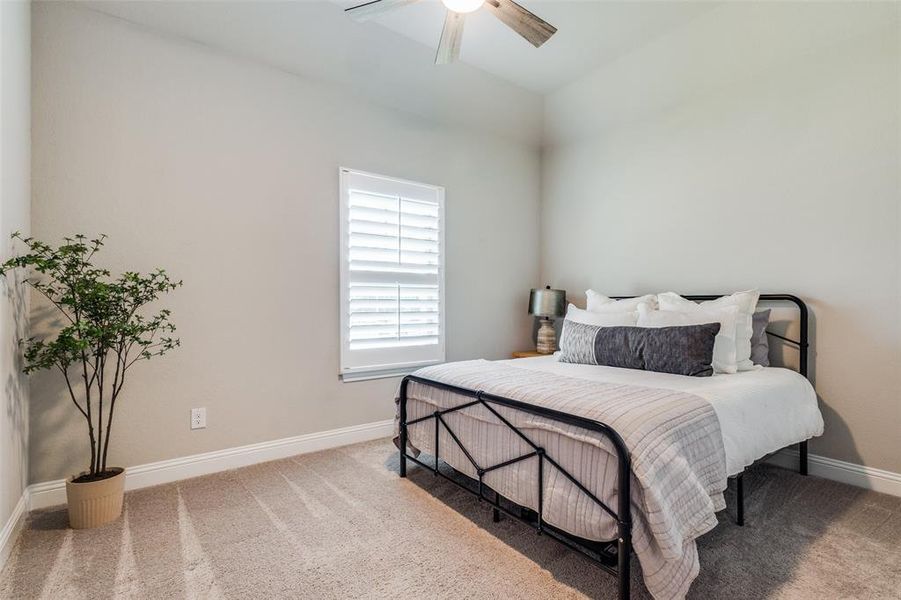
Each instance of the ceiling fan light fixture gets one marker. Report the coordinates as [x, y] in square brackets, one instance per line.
[529, 26]
[463, 6]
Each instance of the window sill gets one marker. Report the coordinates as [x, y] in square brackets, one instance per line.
[352, 377]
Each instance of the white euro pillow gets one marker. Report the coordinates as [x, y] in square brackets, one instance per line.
[602, 319]
[597, 302]
[744, 330]
[724, 349]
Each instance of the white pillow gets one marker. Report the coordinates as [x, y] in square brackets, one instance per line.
[724, 353]
[602, 319]
[611, 319]
[746, 303]
[596, 302]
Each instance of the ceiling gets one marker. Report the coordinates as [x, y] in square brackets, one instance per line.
[317, 41]
[590, 34]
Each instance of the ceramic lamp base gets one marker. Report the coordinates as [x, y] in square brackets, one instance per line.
[547, 338]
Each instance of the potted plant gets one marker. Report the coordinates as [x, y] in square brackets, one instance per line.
[100, 336]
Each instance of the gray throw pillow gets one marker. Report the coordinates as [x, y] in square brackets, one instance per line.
[577, 343]
[760, 343]
[682, 350]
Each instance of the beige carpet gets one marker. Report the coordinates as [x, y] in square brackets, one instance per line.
[341, 524]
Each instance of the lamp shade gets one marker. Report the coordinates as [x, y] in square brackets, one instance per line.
[547, 302]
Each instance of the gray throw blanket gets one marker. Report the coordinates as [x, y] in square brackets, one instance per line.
[674, 439]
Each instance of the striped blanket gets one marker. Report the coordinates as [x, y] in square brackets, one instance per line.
[674, 440]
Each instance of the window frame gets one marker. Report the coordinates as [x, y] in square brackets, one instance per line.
[390, 368]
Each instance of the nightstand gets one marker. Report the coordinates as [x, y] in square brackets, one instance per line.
[528, 354]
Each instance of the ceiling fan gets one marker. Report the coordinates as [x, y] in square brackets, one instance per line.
[534, 29]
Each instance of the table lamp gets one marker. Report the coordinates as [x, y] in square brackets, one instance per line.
[547, 305]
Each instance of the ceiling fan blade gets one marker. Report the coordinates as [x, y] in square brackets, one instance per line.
[375, 8]
[451, 37]
[535, 29]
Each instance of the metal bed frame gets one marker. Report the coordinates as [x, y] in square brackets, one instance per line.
[613, 556]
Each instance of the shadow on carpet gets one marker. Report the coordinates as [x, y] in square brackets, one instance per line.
[804, 537]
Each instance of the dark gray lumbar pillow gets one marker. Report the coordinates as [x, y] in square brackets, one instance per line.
[620, 347]
[681, 350]
[760, 343]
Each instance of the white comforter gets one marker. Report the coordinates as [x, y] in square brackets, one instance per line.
[760, 411]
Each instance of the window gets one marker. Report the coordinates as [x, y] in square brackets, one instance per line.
[392, 275]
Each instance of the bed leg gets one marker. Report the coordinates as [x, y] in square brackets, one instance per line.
[623, 516]
[740, 500]
[624, 556]
[802, 458]
[495, 515]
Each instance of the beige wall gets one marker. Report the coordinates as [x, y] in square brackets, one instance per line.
[224, 171]
[758, 146]
[15, 192]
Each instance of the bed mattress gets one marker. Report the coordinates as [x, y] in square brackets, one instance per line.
[760, 411]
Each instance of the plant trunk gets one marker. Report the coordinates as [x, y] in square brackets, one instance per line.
[118, 382]
[109, 424]
[93, 468]
[94, 452]
[100, 361]
[84, 413]
[87, 395]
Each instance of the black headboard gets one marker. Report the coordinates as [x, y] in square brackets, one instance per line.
[802, 344]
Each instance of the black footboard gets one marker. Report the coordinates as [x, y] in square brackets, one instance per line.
[623, 517]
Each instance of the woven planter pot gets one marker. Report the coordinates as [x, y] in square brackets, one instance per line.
[95, 503]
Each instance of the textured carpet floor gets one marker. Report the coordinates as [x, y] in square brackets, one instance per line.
[341, 524]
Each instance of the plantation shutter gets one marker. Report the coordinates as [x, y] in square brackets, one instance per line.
[392, 279]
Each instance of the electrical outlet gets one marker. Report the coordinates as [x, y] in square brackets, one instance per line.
[198, 418]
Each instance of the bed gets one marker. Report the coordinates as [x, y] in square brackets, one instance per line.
[607, 461]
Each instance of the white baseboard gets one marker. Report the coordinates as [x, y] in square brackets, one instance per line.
[10, 531]
[52, 493]
[845, 472]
